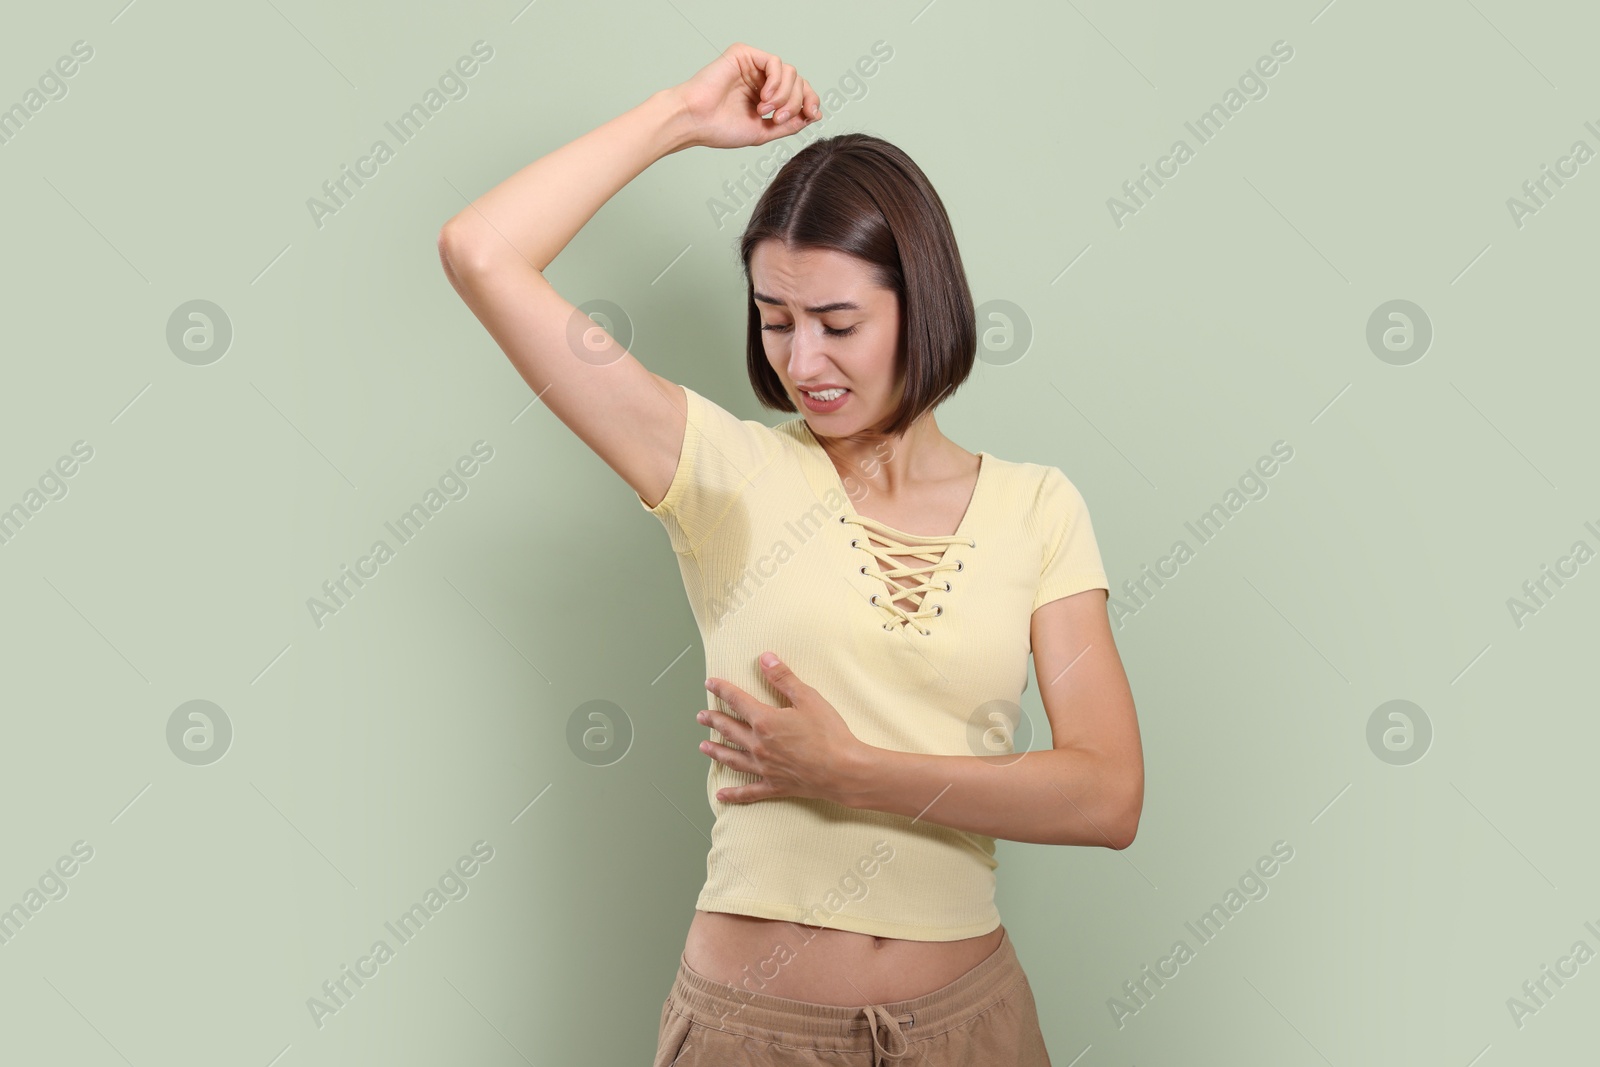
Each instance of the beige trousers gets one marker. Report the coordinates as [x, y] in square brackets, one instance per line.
[987, 1016]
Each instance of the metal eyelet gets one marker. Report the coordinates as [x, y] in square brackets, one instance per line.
[886, 626]
[938, 610]
[874, 600]
[972, 544]
[863, 568]
[854, 541]
[841, 520]
[946, 587]
[959, 566]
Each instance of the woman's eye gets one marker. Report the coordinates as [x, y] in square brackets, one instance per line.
[779, 327]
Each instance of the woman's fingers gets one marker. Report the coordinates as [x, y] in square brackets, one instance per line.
[744, 794]
[810, 105]
[782, 96]
[772, 69]
[726, 725]
[796, 100]
[731, 757]
[779, 77]
[802, 104]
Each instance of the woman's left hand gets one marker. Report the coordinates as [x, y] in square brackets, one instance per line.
[803, 750]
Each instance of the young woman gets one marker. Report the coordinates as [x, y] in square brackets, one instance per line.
[860, 778]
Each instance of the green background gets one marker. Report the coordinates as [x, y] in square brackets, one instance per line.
[1168, 354]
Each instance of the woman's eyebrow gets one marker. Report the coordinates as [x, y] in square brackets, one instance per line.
[820, 309]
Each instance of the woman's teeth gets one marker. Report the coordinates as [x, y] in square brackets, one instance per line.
[827, 394]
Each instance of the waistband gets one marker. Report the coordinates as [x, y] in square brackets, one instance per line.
[886, 1028]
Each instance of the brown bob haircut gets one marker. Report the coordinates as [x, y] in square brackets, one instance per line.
[859, 194]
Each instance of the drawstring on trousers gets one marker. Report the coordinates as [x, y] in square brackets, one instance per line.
[876, 1017]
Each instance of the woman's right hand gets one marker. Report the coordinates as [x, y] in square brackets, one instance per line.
[725, 100]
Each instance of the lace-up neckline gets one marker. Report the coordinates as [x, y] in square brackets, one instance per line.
[931, 550]
[884, 542]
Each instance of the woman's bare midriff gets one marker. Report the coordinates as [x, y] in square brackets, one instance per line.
[824, 966]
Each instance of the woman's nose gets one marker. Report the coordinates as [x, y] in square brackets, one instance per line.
[805, 357]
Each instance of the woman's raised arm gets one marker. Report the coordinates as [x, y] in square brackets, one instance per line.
[495, 249]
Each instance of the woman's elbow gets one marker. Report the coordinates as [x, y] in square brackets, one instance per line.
[1127, 826]
[454, 252]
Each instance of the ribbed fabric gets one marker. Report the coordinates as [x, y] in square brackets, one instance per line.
[754, 515]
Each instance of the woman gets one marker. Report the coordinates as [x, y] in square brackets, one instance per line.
[860, 778]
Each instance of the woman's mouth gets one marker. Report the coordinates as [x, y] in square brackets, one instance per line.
[825, 400]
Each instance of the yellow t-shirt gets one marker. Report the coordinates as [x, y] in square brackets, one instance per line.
[774, 557]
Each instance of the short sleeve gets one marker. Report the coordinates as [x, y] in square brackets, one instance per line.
[1071, 558]
[721, 457]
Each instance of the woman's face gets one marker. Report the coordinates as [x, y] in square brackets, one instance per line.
[824, 323]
